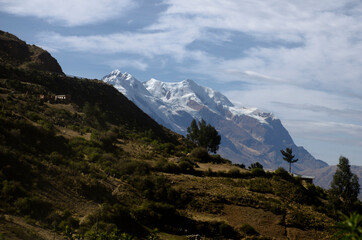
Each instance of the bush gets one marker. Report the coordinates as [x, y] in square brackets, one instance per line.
[133, 168]
[56, 158]
[248, 230]
[316, 191]
[34, 207]
[158, 188]
[255, 166]
[163, 165]
[258, 172]
[11, 190]
[115, 217]
[186, 166]
[234, 173]
[169, 148]
[68, 220]
[296, 218]
[261, 185]
[292, 192]
[200, 154]
[242, 166]
[155, 214]
[218, 159]
[227, 231]
[284, 174]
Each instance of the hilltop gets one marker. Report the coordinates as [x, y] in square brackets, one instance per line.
[95, 166]
[17, 53]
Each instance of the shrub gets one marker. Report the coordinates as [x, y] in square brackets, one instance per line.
[300, 219]
[169, 148]
[157, 188]
[163, 165]
[257, 172]
[218, 159]
[227, 231]
[316, 191]
[12, 190]
[234, 173]
[56, 158]
[255, 165]
[261, 185]
[242, 166]
[133, 168]
[155, 214]
[248, 230]
[94, 190]
[186, 166]
[34, 207]
[111, 217]
[292, 192]
[67, 220]
[282, 173]
[200, 154]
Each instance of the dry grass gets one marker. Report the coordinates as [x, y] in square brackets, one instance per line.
[218, 167]
[68, 133]
[167, 236]
[59, 106]
[264, 222]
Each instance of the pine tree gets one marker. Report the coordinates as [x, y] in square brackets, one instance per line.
[204, 135]
[193, 132]
[344, 187]
[289, 157]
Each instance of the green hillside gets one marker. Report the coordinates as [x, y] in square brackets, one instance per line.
[94, 166]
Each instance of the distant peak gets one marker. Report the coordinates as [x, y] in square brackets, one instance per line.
[127, 76]
[153, 80]
[116, 72]
[189, 81]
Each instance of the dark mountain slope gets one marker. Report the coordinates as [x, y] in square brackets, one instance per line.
[17, 53]
[113, 106]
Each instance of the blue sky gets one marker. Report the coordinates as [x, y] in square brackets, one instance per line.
[300, 60]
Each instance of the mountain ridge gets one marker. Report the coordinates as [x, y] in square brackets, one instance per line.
[248, 134]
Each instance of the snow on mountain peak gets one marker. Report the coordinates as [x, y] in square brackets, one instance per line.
[125, 83]
[249, 134]
[173, 98]
[115, 72]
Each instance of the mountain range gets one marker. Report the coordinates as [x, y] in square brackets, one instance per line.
[248, 134]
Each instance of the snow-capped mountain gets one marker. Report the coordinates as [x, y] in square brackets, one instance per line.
[248, 134]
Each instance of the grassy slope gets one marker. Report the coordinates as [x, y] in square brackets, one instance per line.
[68, 168]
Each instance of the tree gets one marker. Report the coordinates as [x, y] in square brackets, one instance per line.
[289, 157]
[344, 187]
[204, 135]
[255, 165]
[94, 116]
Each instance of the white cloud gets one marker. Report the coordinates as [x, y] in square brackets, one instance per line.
[68, 12]
[325, 40]
[128, 63]
[146, 44]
